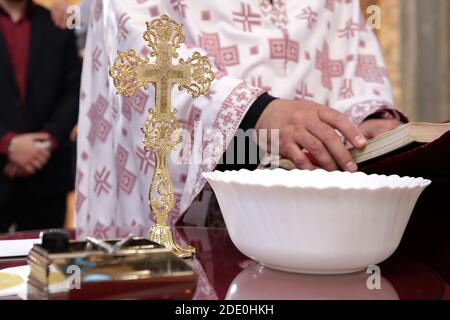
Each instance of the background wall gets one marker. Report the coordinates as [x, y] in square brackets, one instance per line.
[426, 58]
[415, 39]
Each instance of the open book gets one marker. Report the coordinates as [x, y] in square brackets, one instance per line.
[412, 133]
[404, 138]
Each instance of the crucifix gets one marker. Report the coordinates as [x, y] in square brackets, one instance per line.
[162, 131]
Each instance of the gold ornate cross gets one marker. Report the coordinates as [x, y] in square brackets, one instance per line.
[130, 73]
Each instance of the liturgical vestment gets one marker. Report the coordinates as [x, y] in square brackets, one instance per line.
[320, 50]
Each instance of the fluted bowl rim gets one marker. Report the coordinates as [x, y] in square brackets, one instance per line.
[315, 179]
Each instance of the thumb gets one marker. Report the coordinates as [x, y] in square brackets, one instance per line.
[40, 136]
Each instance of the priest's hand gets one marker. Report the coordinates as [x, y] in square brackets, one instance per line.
[26, 154]
[311, 126]
[374, 127]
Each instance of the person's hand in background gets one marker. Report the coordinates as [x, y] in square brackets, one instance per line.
[311, 126]
[14, 171]
[374, 127]
[59, 14]
[25, 155]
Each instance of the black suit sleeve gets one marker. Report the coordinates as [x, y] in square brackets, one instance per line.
[3, 131]
[249, 122]
[255, 111]
[65, 114]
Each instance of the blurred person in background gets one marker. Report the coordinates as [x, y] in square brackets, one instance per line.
[39, 80]
[64, 17]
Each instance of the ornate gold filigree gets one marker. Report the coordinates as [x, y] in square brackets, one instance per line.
[124, 72]
[165, 30]
[160, 134]
[162, 131]
[202, 75]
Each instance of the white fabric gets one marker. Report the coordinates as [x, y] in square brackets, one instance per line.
[320, 50]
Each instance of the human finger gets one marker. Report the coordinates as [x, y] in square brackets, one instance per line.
[340, 122]
[335, 146]
[293, 152]
[317, 149]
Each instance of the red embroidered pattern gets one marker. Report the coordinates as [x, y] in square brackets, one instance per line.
[125, 178]
[146, 160]
[246, 17]
[330, 68]
[309, 15]
[284, 48]
[180, 6]
[276, 12]
[368, 69]
[79, 197]
[100, 127]
[227, 121]
[330, 4]
[223, 57]
[96, 63]
[98, 9]
[101, 181]
[136, 102]
[361, 110]
[122, 30]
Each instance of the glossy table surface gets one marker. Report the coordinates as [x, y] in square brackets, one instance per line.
[225, 273]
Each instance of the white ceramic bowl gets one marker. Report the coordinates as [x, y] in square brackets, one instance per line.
[315, 221]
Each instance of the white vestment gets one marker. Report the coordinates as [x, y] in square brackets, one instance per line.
[320, 50]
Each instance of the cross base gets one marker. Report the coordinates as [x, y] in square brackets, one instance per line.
[163, 235]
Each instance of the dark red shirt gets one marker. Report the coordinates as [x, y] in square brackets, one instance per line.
[17, 40]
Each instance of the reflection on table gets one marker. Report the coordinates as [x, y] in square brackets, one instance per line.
[259, 282]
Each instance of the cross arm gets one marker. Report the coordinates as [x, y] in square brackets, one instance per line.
[201, 75]
[125, 72]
